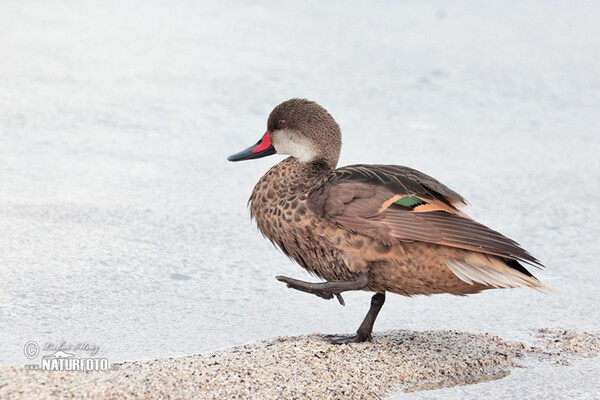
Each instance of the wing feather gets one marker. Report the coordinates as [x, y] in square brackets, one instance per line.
[398, 179]
[362, 198]
[454, 230]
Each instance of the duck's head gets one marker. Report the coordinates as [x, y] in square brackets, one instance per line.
[302, 129]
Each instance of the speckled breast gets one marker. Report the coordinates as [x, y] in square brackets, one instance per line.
[279, 206]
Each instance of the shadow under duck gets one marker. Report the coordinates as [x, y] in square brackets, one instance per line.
[379, 228]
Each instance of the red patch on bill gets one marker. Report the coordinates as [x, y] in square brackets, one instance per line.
[264, 144]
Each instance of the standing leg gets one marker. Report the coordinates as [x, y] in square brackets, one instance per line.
[364, 330]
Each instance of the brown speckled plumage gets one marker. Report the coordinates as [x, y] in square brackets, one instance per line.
[279, 204]
[396, 226]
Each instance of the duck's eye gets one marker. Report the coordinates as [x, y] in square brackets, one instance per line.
[281, 123]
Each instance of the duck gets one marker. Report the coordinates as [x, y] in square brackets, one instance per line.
[376, 228]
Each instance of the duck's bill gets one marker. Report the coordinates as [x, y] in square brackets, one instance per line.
[261, 149]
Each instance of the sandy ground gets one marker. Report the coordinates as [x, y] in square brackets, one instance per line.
[308, 367]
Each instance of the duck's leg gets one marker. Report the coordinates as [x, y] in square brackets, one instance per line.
[364, 330]
[327, 290]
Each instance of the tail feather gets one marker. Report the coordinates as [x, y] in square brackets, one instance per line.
[493, 271]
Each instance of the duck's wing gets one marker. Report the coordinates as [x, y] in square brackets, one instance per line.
[393, 203]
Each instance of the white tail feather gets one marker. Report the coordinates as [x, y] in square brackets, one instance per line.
[492, 271]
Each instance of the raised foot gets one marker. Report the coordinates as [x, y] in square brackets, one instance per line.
[314, 288]
[326, 290]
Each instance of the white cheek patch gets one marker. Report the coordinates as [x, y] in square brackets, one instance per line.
[285, 142]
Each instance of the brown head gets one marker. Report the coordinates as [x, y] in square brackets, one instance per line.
[302, 129]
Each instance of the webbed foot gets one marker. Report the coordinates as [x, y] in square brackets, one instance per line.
[357, 338]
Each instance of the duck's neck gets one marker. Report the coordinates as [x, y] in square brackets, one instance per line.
[288, 179]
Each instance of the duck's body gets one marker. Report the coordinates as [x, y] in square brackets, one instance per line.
[284, 203]
[371, 227]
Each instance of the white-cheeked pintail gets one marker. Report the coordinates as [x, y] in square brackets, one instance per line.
[380, 228]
